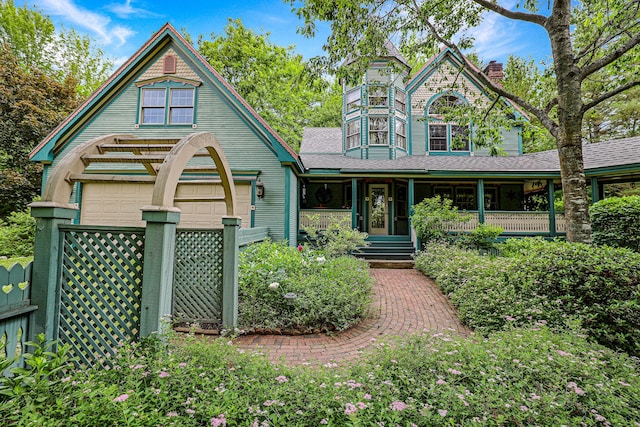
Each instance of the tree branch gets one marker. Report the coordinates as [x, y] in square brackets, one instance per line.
[589, 69]
[544, 118]
[607, 95]
[520, 16]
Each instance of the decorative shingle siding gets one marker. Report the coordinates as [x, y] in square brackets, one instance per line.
[182, 68]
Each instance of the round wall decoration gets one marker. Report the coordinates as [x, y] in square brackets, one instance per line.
[324, 195]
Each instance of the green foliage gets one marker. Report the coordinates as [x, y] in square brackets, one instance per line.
[292, 289]
[432, 216]
[484, 236]
[554, 283]
[31, 105]
[274, 80]
[616, 222]
[516, 377]
[30, 388]
[57, 53]
[338, 239]
[17, 234]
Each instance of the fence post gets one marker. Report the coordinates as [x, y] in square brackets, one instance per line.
[230, 272]
[157, 270]
[46, 267]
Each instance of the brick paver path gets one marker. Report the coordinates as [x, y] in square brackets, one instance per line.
[405, 302]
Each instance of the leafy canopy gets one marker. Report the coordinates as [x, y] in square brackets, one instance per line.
[274, 80]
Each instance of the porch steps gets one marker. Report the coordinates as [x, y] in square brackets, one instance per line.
[387, 248]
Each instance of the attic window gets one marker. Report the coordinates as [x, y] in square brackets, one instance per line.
[169, 66]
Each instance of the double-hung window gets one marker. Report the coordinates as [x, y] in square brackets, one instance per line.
[165, 104]
[401, 101]
[443, 134]
[378, 130]
[353, 99]
[401, 134]
[378, 96]
[353, 134]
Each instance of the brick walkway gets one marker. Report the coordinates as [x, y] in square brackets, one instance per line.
[405, 302]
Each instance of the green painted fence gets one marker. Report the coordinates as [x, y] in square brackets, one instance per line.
[15, 309]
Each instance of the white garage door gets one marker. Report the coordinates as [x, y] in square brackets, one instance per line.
[120, 204]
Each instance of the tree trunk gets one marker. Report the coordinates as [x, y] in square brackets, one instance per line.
[569, 132]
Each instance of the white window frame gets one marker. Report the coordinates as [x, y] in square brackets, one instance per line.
[380, 93]
[147, 107]
[353, 134]
[401, 101]
[168, 108]
[401, 134]
[353, 99]
[376, 130]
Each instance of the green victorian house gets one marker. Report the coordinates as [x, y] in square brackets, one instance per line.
[393, 150]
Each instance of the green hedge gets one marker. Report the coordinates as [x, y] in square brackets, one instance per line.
[555, 283]
[17, 234]
[616, 222]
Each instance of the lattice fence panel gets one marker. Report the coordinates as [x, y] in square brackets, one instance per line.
[197, 295]
[100, 291]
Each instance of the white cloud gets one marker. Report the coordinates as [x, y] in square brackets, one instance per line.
[96, 23]
[126, 10]
[496, 37]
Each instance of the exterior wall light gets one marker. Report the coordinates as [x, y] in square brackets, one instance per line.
[259, 189]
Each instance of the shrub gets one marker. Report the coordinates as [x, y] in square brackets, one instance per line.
[516, 377]
[555, 283]
[484, 236]
[616, 222]
[337, 239]
[289, 289]
[432, 216]
[17, 233]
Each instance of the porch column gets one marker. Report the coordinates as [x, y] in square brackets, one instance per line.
[595, 194]
[354, 203]
[157, 270]
[481, 201]
[230, 271]
[46, 267]
[411, 202]
[552, 208]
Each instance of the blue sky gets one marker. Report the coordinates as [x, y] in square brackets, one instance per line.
[122, 26]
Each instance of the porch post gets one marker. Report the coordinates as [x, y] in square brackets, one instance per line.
[411, 202]
[46, 267]
[481, 201]
[354, 203]
[595, 196]
[552, 208]
[230, 271]
[157, 270]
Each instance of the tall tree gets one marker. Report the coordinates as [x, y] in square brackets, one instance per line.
[274, 80]
[31, 105]
[36, 43]
[594, 35]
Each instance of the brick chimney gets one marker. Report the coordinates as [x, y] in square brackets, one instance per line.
[494, 71]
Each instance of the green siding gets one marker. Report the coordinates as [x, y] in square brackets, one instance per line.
[510, 144]
[244, 149]
[378, 152]
[418, 136]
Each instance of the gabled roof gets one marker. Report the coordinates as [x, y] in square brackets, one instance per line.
[388, 51]
[89, 108]
[447, 53]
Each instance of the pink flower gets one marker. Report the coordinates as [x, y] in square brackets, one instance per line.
[282, 379]
[121, 398]
[367, 396]
[324, 421]
[441, 382]
[218, 421]
[182, 365]
[163, 374]
[398, 406]
[442, 412]
[300, 248]
[172, 414]
[350, 408]
[563, 353]
[455, 371]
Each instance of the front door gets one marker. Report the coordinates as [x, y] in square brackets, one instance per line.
[378, 212]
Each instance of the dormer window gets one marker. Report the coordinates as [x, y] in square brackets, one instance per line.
[378, 96]
[443, 135]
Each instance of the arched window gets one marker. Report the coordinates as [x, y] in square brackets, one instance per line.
[446, 136]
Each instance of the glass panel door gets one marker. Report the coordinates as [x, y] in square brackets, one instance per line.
[378, 213]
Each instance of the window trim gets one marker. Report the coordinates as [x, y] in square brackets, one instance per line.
[401, 136]
[435, 119]
[168, 84]
[403, 102]
[353, 134]
[377, 131]
[380, 89]
[355, 103]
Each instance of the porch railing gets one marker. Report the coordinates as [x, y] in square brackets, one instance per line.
[513, 221]
[326, 216]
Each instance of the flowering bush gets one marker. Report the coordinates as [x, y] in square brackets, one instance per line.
[515, 377]
[554, 283]
[286, 289]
